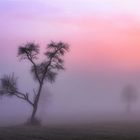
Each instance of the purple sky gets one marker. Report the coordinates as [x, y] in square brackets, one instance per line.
[104, 51]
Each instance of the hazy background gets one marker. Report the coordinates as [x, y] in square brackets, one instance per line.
[104, 39]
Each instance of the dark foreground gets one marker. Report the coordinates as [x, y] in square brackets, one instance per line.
[90, 131]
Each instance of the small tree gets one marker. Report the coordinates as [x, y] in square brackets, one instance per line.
[129, 95]
[47, 70]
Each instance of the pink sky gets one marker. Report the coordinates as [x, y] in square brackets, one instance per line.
[108, 31]
[104, 37]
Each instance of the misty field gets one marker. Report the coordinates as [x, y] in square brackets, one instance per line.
[91, 131]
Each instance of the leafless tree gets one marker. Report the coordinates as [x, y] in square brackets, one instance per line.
[129, 95]
[47, 70]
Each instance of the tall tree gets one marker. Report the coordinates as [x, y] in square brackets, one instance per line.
[46, 70]
[129, 95]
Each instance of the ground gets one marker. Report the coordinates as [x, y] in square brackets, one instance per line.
[87, 131]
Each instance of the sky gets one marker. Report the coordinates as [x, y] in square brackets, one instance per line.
[104, 51]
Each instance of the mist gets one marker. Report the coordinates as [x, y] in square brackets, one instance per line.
[92, 95]
[103, 59]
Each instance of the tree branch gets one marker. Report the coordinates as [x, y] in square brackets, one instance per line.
[43, 77]
[23, 96]
[50, 61]
[35, 67]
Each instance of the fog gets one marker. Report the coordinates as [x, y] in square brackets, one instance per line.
[103, 59]
[94, 96]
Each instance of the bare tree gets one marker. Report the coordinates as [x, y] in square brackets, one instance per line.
[129, 95]
[47, 70]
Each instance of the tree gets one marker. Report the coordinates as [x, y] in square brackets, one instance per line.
[129, 95]
[46, 70]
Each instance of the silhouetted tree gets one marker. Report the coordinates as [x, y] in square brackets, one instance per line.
[129, 95]
[47, 70]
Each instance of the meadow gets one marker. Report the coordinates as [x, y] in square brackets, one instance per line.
[85, 131]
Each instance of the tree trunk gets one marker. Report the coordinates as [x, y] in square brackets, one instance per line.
[128, 107]
[33, 119]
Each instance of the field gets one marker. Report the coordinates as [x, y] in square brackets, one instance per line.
[88, 131]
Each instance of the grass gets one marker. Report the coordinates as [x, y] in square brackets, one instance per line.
[88, 131]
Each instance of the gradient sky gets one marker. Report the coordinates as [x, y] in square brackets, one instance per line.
[104, 38]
